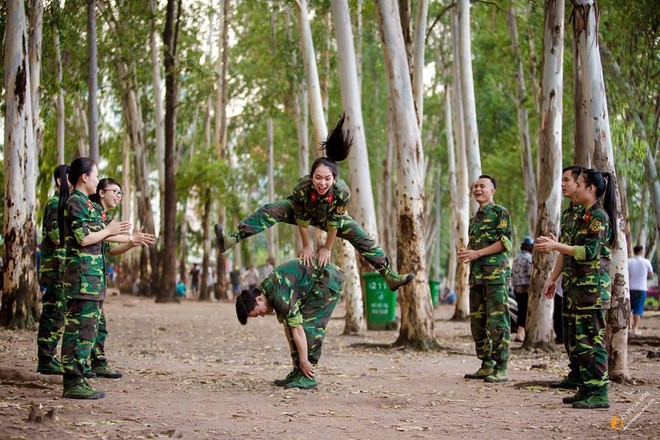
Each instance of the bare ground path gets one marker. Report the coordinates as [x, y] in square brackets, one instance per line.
[191, 371]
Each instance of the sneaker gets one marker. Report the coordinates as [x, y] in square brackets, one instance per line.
[293, 374]
[498, 376]
[567, 383]
[575, 397]
[81, 390]
[50, 365]
[302, 382]
[105, 371]
[481, 373]
[592, 402]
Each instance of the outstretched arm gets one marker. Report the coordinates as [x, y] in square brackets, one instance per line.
[307, 253]
[326, 250]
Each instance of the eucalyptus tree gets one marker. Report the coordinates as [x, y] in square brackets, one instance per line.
[599, 139]
[20, 293]
[92, 83]
[539, 334]
[417, 326]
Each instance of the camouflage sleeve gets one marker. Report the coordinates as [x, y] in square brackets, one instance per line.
[51, 228]
[294, 317]
[300, 193]
[597, 234]
[504, 230]
[341, 197]
[78, 217]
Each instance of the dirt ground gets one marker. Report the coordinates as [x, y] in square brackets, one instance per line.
[191, 371]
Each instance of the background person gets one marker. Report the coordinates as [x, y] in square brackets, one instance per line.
[639, 271]
[521, 274]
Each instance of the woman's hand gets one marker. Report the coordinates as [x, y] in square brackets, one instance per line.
[546, 243]
[324, 256]
[307, 368]
[141, 238]
[549, 288]
[116, 227]
[307, 255]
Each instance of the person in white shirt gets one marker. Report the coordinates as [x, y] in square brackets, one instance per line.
[639, 270]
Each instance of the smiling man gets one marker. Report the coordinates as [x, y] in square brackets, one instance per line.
[490, 269]
[303, 298]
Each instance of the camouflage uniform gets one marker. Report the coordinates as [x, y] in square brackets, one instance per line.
[569, 219]
[51, 322]
[489, 280]
[589, 298]
[305, 207]
[97, 356]
[307, 296]
[84, 285]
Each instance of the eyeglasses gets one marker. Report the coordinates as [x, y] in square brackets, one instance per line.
[116, 191]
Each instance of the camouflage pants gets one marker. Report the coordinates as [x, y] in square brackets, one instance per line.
[80, 325]
[316, 313]
[567, 320]
[490, 323]
[587, 345]
[51, 322]
[97, 356]
[282, 211]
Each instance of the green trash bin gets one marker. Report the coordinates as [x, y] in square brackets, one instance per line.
[435, 292]
[380, 303]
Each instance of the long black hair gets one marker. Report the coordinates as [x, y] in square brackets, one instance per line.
[605, 187]
[337, 147]
[60, 174]
[80, 166]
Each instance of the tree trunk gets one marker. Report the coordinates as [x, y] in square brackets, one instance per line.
[462, 310]
[272, 232]
[167, 290]
[59, 98]
[581, 148]
[206, 292]
[585, 28]
[36, 38]
[523, 126]
[20, 295]
[452, 263]
[418, 59]
[417, 326]
[92, 83]
[346, 260]
[467, 90]
[159, 127]
[358, 39]
[539, 332]
[80, 122]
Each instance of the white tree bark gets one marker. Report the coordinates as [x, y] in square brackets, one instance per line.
[159, 110]
[36, 38]
[418, 59]
[272, 232]
[462, 310]
[362, 199]
[585, 28]
[345, 260]
[539, 332]
[452, 264]
[92, 83]
[523, 126]
[467, 90]
[59, 97]
[417, 326]
[221, 85]
[19, 299]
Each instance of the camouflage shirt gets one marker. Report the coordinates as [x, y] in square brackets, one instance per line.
[590, 265]
[325, 211]
[84, 276]
[569, 218]
[52, 252]
[289, 286]
[489, 225]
